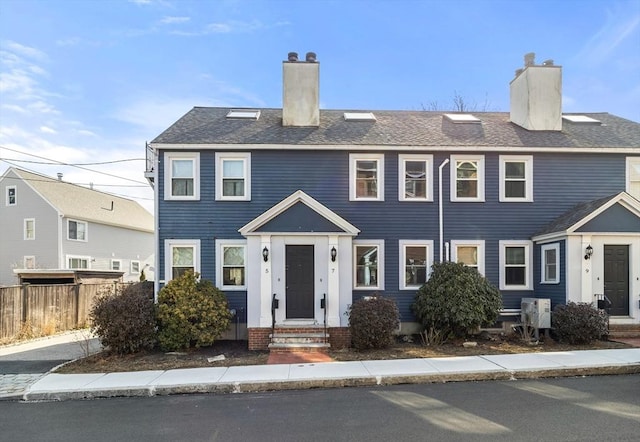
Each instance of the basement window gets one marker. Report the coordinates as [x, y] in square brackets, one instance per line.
[243, 114]
[581, 119]
[359, 116]
[461, 118]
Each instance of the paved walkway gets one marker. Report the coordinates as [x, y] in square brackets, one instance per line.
[333, 374]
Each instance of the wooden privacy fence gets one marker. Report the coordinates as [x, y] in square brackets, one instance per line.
[47, 309]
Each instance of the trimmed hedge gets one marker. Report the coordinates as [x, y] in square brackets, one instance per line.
[579, 323]
[372, 322]
[124, 320]
[191, 313]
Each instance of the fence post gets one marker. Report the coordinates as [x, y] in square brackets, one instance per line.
[77, 322]
[23, 293]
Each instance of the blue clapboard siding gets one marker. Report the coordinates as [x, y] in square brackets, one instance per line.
[561, 181]
[555, 292]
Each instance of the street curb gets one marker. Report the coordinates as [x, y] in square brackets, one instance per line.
[366, 381]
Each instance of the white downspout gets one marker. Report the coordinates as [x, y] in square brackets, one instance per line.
[440, 216]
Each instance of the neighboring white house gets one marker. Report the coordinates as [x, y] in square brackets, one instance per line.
[46, 223]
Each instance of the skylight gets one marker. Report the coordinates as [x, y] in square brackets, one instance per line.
[244, 114]
[581, 119]
[461, 118]
[359, 116]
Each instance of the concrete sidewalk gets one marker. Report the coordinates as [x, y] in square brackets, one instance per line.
[333, 374]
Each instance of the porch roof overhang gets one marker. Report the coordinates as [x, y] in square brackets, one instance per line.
[590, 217]
[328, 222]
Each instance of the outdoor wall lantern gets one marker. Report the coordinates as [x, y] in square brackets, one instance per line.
[588, 252]
[334, 253]
[265, 254]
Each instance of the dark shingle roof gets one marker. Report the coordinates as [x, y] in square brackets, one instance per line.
[209, 125]
[573, 215]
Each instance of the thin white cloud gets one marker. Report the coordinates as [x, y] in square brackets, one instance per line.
[47, 130]
[25, 51]
[230, 27]
[618, 28]
[174, 20]
[85, 132]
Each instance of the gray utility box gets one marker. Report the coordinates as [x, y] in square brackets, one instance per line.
[536, 312]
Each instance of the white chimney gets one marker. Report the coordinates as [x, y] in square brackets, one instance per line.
[300, 91]
[536, 96]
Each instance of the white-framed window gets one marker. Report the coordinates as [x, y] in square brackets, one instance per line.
[78, 262]
[233, 176]
[633, 176]
[135, 267]
[29, 229]
[76, 230]
[368, 264]
[11, 196]
[116, 264]
[366, 177]
[469, 252]
[231, 259]
[467, 178]
[516, 178]
[181, 255]
[416, 258]
[550, 263]
[515, 265]
[29, 262]
[181, 176]
[415, 180]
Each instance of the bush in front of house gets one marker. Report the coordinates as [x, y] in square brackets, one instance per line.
[124, 319]
[372, 322]
[579, 323]
[190, 313]
[456, 300]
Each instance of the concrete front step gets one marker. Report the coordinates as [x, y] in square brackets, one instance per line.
[624, 330]
[303, 347]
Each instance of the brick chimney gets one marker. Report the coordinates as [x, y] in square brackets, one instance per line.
[300, 91]
[536, 95]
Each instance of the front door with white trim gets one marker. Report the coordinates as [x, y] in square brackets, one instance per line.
[299, 274]
[616, 278]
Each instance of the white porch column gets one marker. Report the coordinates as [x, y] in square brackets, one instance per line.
[333, 295]
[266, 292]
[587, 272]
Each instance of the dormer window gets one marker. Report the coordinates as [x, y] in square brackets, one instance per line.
[461, 118]
[243, 114]
[359, 116]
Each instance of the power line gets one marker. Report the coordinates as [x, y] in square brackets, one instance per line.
[67, 164]
[74, 164]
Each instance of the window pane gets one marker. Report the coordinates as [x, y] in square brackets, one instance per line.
[415, 179]
[467, 189]
[233, 168]
[467, 170]
[515, 189]
[115, 265]
[514, 170]
[73, 230]
[415, 265]
[182, 187]
[514, 275]
[135, 267]
[82, 227]
[233, 276]
[179, 271]
[233, 256]
[468, 255]
[182, 168]
[366, 179]
[515, 256]
[233, 187]
[367, 266]
[183, 256]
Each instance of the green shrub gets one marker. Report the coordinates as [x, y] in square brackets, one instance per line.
[578, 323]
[124, 320]
[372, 322]
[191, 313]
[456, 300]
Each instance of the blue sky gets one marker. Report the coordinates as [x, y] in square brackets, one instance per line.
[89, 81]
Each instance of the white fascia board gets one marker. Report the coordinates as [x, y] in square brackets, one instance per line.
[387, 148]
[299, 196]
